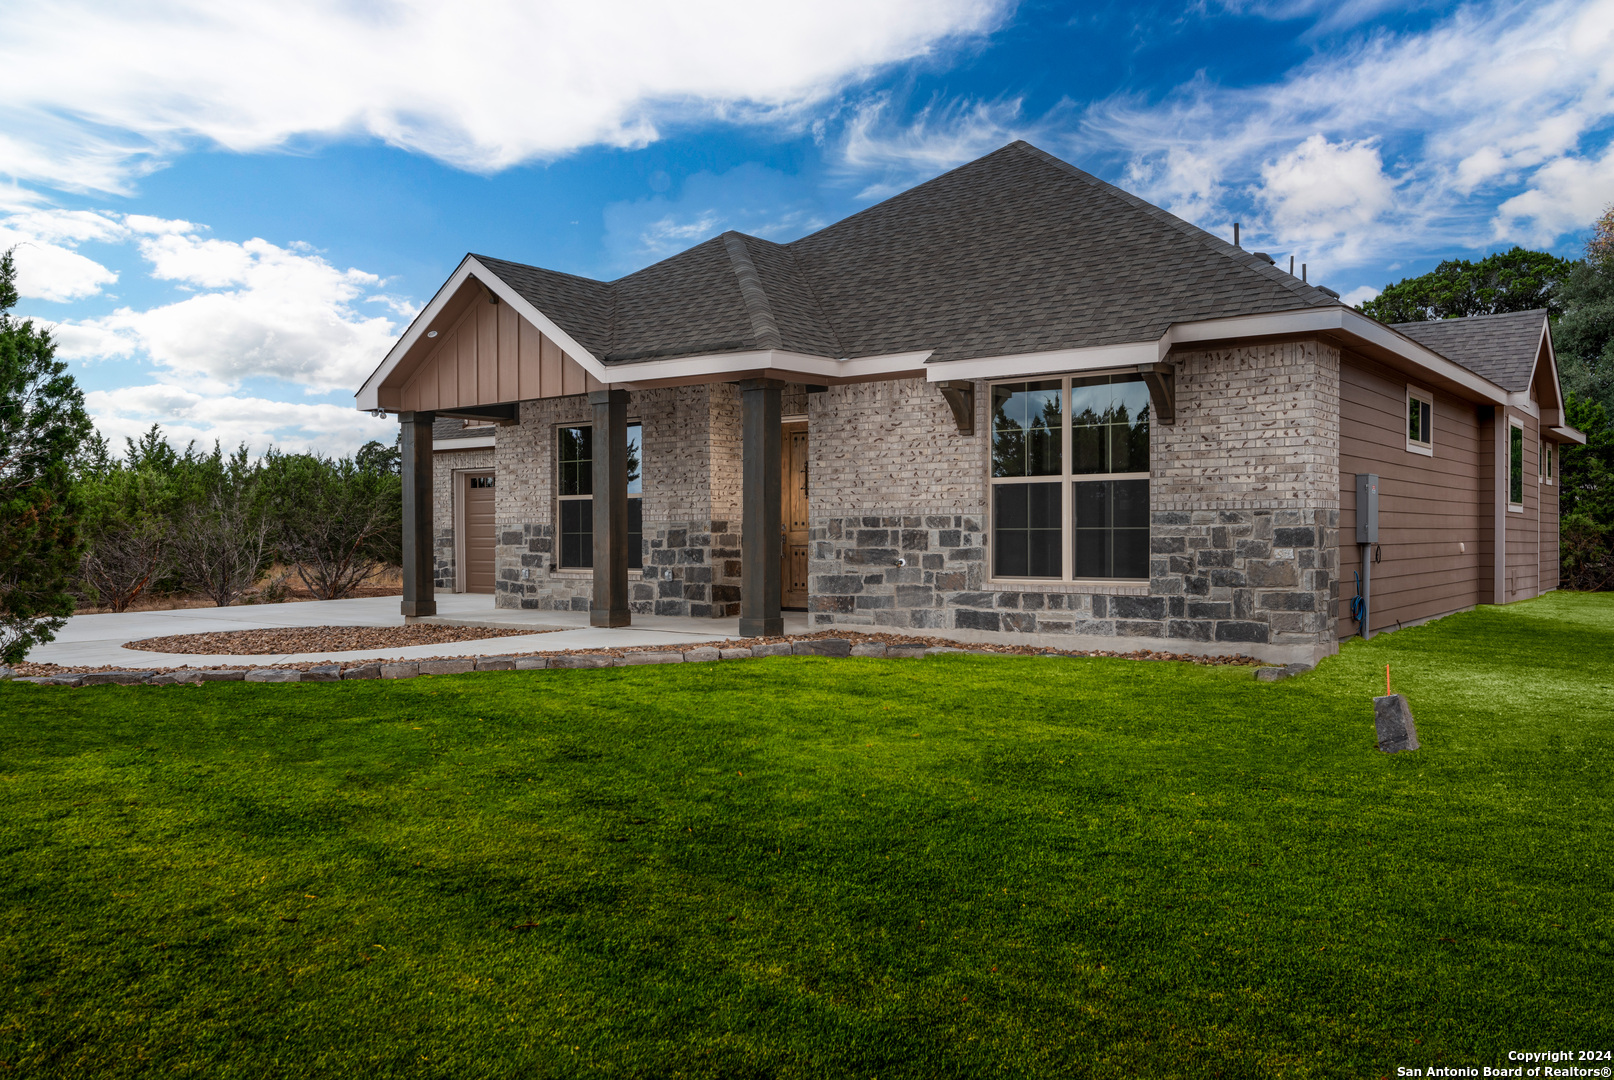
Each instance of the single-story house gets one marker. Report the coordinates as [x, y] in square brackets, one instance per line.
[1014, 403]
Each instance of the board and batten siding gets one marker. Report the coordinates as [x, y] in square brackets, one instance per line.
[1433, 521]
[488, 356]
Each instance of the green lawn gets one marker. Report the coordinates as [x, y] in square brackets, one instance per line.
[959, 866]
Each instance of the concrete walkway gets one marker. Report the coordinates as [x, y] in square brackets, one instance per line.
[90, 641]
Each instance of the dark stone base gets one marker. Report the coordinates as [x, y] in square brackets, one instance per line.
[417, 608]
[762, 627]
[609, 617]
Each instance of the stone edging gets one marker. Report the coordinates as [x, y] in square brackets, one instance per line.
[408, 669]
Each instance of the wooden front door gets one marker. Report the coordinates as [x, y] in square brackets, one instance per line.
[793, 517]
[479, 533]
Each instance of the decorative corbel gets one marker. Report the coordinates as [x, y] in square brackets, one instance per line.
[1162, 385]
[493, 297]
[960, 397]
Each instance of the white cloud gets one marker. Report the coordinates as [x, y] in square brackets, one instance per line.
[1323, 193]
[1488, 99]
[1359, 296]
[336, 430]
[1565, 195]
[95, 93]
[48, 267]
[258, 311]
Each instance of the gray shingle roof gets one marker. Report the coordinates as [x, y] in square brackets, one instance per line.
[1015, 252]
[1501, 348]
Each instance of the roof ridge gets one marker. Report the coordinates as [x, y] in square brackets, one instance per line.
[1311, 294]
[1542, 312]
[541, 269]
[806, 283]
[763, 325]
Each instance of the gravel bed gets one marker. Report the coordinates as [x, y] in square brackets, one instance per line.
[307, 639]
[852, 638]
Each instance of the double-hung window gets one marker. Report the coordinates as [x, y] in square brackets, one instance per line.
[1544, 462]
[1070, 479]
[574, 459]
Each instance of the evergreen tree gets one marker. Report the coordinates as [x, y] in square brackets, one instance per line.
[43, 426]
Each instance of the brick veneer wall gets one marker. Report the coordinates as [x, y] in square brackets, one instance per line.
[445, 463]
[1244, 516]
[691, 466]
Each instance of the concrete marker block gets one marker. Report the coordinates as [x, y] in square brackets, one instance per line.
[222, 675]
[869, 648]
[1392, 719]
[362, 671]
[495, 663]
[735, 654]
[702, 655]
[323, 673]
[402, 670]
[904, 652]
[532, 663]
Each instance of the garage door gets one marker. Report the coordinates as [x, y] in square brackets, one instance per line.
[479, 533]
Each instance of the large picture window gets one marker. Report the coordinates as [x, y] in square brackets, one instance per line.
[1070, 478]
[574, 460]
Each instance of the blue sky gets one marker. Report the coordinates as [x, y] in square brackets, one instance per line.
[230, 215]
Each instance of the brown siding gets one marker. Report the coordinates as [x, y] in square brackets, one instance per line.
[1524, 528]
[1431, 526]
[490, 355]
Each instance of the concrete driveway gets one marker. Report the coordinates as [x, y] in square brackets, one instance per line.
[90, 641]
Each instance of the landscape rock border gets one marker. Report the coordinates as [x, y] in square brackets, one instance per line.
[823, 644]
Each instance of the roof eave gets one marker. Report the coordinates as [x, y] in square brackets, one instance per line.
[1339, 320]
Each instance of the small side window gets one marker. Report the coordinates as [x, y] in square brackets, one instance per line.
[1420, 421]
[1515, 466]
[1547, 449]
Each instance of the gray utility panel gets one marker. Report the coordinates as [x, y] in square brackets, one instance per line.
[1367, 508]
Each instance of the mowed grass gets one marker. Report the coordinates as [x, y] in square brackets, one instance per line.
[954, 867]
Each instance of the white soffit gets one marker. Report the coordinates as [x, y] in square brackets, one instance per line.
[367, 396]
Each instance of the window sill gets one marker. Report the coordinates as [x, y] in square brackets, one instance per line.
[1515, 508]
[1417, 448]
[1115, 586]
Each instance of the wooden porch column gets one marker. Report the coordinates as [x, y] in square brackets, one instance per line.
[759, 509]
[610, 607]
[419, 558]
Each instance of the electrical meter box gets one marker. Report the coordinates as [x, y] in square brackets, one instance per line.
[1367, 508]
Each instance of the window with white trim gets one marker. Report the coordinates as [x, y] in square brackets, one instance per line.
[1546, 456]
[1070, 479]
[1420, 421]
[574, 461]
[1515, 465]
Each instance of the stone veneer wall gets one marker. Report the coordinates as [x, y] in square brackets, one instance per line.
[1244, 516]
